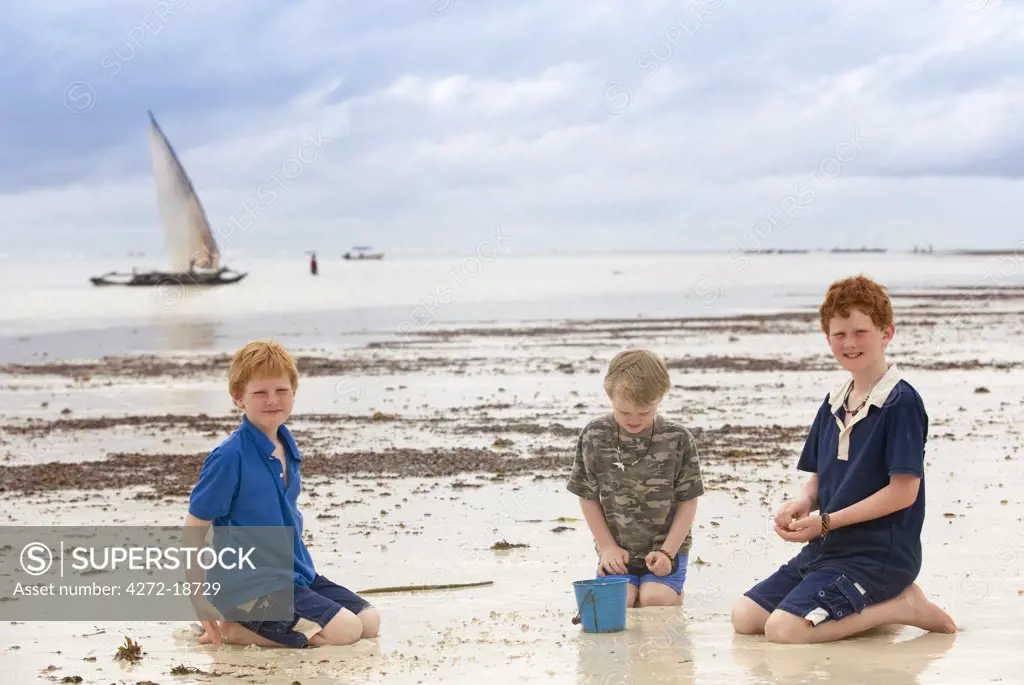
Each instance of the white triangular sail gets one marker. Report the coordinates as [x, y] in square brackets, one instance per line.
[187, 231]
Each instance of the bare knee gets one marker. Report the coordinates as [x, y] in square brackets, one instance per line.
[658, 595]
[370, 620]
[748, 617]
[785, 628]
[344, 629]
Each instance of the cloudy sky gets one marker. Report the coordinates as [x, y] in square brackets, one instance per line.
[421, 125]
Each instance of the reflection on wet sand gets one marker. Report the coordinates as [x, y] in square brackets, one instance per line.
[654, 648]
[190, 336]
[883, 656]
[318, 666]
[187, 335]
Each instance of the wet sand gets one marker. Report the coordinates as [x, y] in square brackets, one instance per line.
[420, 457]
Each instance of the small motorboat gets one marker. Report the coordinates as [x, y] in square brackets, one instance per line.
[361, 253]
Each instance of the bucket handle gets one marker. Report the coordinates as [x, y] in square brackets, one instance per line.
[589, 596]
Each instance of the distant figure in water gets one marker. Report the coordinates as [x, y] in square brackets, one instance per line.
[313, 268]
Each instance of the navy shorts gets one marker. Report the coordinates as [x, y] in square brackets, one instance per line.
[639, 574]
[314, 607]
[815, 595]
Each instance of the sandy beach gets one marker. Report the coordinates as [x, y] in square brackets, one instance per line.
[454, 215]
[421, 457]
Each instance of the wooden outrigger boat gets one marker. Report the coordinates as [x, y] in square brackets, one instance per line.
[223, 276]
[193, 252]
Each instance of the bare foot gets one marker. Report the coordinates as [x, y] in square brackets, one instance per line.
[927, 615]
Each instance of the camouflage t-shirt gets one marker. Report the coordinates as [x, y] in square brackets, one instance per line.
[639, 497]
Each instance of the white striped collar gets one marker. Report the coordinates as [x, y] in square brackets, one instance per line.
[879, 393]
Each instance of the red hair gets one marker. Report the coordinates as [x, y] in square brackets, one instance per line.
[260, 360]
[856, 292]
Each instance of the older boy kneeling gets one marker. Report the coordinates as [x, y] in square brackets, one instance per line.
[865, 451]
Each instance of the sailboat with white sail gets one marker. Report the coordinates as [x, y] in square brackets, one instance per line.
[191, 248]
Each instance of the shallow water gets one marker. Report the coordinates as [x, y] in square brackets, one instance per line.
[350, 304]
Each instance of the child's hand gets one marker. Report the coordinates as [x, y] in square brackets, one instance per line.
[209, 617]
[801, 530]
[613, 560]
[790, 511]
[658, 563]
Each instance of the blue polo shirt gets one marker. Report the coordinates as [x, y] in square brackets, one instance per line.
[242, 484]
[886, 438]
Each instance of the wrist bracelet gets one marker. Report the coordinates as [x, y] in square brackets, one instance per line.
[826, 525]
[670, 557]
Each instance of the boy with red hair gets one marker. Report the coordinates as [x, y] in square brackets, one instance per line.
[253, 478]
[865, 453]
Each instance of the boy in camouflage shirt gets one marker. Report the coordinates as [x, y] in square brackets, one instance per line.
[638, 478]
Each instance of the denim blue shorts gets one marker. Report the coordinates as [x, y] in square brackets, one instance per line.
[314, 607]
[815, 595]
[674, 580]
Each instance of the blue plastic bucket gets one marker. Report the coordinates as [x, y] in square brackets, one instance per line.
[602, 604]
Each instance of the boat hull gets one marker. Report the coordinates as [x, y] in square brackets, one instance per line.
[164, 278]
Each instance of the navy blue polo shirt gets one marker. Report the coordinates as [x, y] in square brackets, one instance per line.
[242, 484]
[886, 438]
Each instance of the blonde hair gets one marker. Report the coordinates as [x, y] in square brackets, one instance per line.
[259, 360]
[640, 374]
